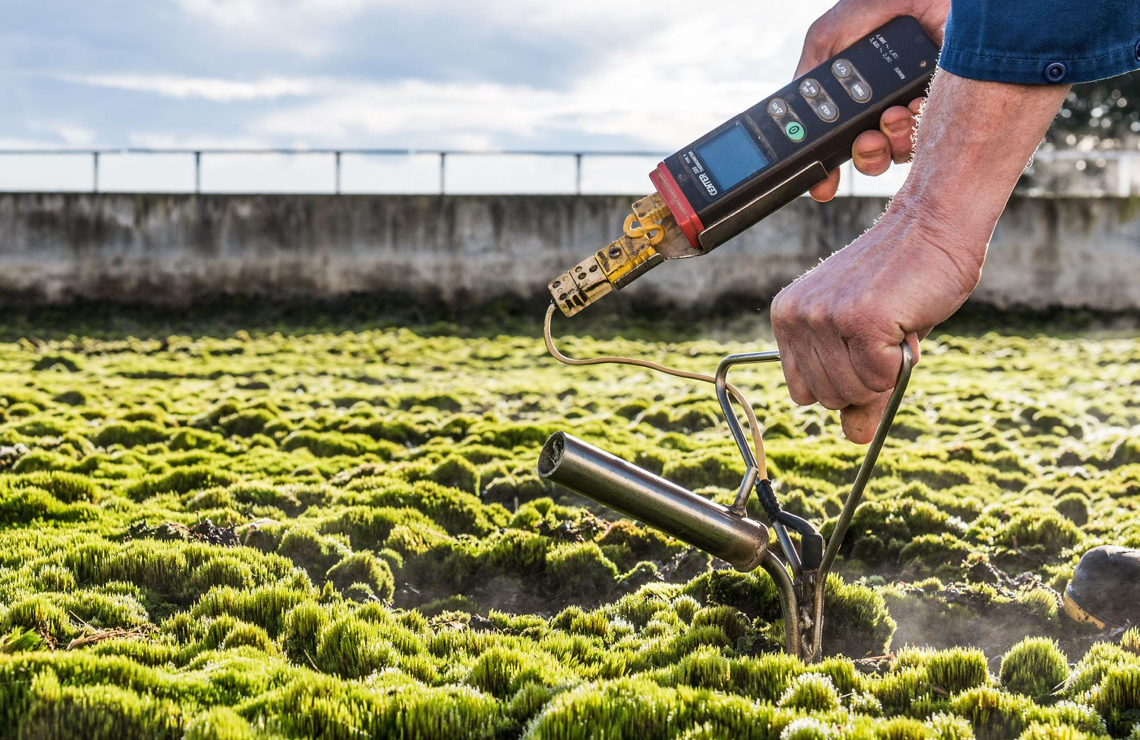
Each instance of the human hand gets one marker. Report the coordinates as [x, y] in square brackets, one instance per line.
[840, 325]
[846, 22]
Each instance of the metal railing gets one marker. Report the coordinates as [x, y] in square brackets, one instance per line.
[1124, 184]
[337, 155]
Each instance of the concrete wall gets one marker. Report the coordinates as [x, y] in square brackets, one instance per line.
[470, 249]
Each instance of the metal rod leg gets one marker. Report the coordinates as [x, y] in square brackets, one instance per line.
[788, 604]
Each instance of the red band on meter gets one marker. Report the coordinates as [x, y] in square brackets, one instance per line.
[670, 192]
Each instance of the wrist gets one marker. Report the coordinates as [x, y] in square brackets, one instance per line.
[923, 232]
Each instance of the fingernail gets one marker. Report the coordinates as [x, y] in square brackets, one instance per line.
[873, 155]
[900, 127]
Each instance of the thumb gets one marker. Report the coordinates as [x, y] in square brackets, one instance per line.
[912, 340]
[860, 422]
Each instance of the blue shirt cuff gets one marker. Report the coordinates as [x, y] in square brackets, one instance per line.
[1041, 41]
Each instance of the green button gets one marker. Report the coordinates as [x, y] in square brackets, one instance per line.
[794, 130]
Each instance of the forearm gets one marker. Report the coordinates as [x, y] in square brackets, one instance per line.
[973, 143]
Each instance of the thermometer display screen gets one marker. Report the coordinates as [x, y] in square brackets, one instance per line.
[732, 156]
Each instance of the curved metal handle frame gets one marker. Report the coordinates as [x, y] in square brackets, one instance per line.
[807, 587]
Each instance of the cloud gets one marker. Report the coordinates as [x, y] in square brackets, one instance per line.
[671, 79]
[256, 13]
[387, 73]
[70, 135]
[215, 89]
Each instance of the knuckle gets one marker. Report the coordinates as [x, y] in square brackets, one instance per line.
[832, 403]
[877, 369]
[816, 314]
[798, 390]
[849, 320]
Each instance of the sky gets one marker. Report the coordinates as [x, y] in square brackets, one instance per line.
[474, 74]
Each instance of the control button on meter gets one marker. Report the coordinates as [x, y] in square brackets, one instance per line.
[809, 88]
[826, 110]
[859, 91]
[778, 107]
[841, 68]
[794, 130]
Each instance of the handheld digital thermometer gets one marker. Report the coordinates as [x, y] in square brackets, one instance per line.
[758, 161]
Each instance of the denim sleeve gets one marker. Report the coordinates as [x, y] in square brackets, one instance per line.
[1042, 41]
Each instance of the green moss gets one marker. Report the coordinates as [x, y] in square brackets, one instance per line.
[1047, 529]
[938, 552]
[129, 434]
[96, 712]
[348, 483]
[219, 723]
[857, 622]
[992, 714]
[1117, 698]
[180, 480]
[366, 569]
[731, 621]
[1074, 507]
[581, 567]
[811, 692]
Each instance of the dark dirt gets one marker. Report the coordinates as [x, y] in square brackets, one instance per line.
[203, 531]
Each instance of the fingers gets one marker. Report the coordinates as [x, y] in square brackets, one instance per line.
[860, 422]
[897, 124]
[836, 361]
[871, 153]
[815, 374]
[874, 151]
[912, 341]
[876, 363]
[797, 387]
[825, 190]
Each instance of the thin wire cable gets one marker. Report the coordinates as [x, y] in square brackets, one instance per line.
[753, 425]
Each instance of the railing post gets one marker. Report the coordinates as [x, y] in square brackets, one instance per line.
[197, 173]
[1124, 176]
[442, 173]
[94, 172]
[578, 173]
[337, 173]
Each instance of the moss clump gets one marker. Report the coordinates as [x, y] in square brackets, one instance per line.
[502, 671]
[639, 541]
[993, 714]
[96, 712]
[1034, 667]
[805, 728]
[1074, 507]
[1117, 698]
[857, 623]
[940, 552]
[581, 568]
[58, 361]
[812, 692]
[365, 569]
[706, 469]
[218, 723]
[731, 621]
[1047, 529]
[301, 634]
[129, 434]
[957, 670]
